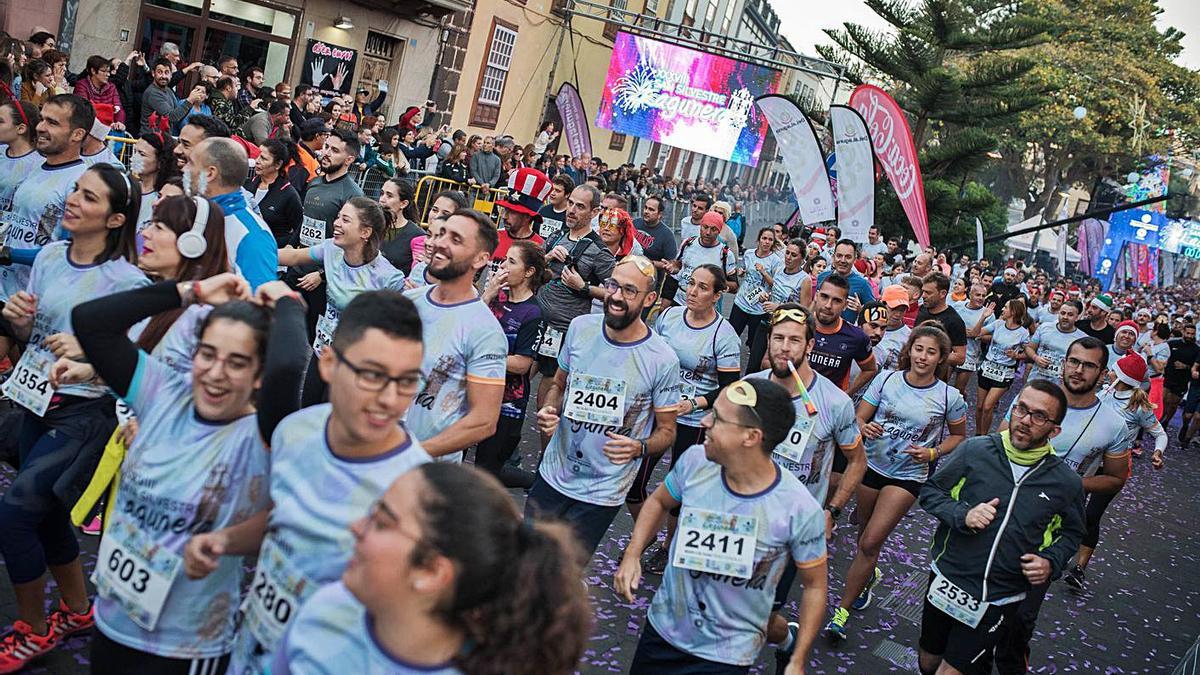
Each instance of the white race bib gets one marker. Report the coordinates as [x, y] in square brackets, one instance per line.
[793, 445]
[1054, 370]
[550, 342]
[717, 543]
[326, 324]
[955, 602]
[29, 383]
[274, 596]
[312, 231]
[549, 228]
[997, 372]
[593, 399]
[136, 572]
[124, 413]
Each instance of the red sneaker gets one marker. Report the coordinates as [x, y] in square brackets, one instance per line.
[64, 622]
[22, 645]
[93, 528]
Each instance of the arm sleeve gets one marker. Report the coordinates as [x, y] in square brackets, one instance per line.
[101, 326]
[935, 496]
[847, 434]
[874, 392]
[487, 361]
[24, 256]
[526, 338]
[665, 394]
[724, 379]
[283, 372]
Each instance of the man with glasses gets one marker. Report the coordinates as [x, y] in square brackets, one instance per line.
[612, 401]
[1091, 442]
[329, 463]
[744, 524]
[465, 347]
[824, 420]
[1010, 515]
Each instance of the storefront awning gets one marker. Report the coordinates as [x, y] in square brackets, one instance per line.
[412, 8]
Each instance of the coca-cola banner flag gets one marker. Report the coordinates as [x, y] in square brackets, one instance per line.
[856, 173]
[574, 120]
[893, 143]
[801, 156]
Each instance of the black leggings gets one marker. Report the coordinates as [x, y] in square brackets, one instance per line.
[740, 319]
[492, 454]
[1096, 505]
[109, 657]
[685, 437]
[758, 347]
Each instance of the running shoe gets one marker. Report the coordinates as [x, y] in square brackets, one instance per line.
[657, 562]
[1074, 578]
[93, 527]
[64, 622]
[836, 628]
[863, 600]
[22, 645]
[783, 656]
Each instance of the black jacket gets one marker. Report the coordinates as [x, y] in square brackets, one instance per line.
[281, 208]
[1043, 514]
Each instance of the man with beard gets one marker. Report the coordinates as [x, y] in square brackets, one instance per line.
[322, 201]
[1046, 312]
[197, 129]
[825, 425]
[1092, 443]
[993, 498]
[969, 312]
[1048, 346]
[1004, 290]
[158, 99]
[527, 191]
[837, 342]
[704, 249]
[465, 347]
[216, 169]
[40, 200]
[934, 288]
[613, 400]
[579, 262]
[1096, 323]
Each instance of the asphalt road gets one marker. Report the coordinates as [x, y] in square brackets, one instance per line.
[1139, 614]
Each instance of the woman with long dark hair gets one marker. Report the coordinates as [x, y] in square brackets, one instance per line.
[486, 592]
[277, 200]
[62, 430]
[510, 295]
[398, 199]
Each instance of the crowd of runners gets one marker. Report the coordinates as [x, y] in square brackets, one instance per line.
[274, 434]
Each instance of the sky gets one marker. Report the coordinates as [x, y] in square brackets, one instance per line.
[802, 21]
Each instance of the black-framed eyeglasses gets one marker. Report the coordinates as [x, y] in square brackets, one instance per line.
[629, 291]
[1036, 416]
[370, 379]
[1076, 364]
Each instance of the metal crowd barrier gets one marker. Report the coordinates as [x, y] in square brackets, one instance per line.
[480, 198]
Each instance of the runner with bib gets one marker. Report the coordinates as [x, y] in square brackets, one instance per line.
[1010, 514]
[910, 418]
[352, 264]
[784, 287]
[329, 462]
[1048, 346]
[199, 463]
[62, 430]
[743, 521]
[441, 585]
[704, 249]
[998, 369]
[613, 400]
[709, 360]
[757, 272]
[970, 311]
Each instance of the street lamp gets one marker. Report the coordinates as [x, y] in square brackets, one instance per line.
[344, 23]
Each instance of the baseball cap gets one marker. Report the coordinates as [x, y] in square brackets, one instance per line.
[894, 295]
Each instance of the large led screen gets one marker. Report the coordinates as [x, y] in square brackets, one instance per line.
[686, 98]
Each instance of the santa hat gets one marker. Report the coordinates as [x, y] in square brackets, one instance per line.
[865, 267]
[1131, 369]
[819, 235]
[99, 130]
[1127, 325]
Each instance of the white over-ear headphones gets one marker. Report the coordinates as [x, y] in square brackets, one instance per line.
[192, 244]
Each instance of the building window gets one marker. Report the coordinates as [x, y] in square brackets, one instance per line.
[493, 74]
[611, 27]
[651, 7]
[710, 15]
[727, 21]
[616, 142]
[689, 13]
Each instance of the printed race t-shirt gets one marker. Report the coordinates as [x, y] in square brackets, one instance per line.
[702, 351]
[181, 476]
[970, 317]
[834, 350]
[614, 387]
[694, 254]
[520, 322]
[315, 496]
[13, 172]
[1052, 343]
[887, 352]
[463, 343]
[911, 417]
[752, 288]
[333, 635]
[1004, 339]
[720, 617]
[38, 205]
[834, 426]
[787, 286]
[344, 282]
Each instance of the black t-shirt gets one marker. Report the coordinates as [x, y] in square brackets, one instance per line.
[1178, 373]
[398, 248]
[951, 322]
[1000, 293]
[552, 221]
[1107, 335]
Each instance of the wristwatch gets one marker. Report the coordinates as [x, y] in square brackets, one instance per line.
[835, 512]
[644, 449]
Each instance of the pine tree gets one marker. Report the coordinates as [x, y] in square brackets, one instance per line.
[960, 69]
